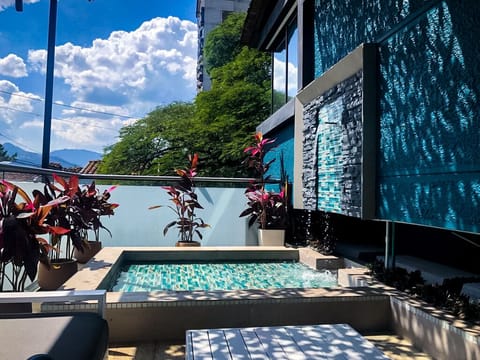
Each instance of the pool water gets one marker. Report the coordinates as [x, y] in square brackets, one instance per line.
[221, 276]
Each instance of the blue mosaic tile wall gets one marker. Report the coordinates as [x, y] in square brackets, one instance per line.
[340, 26]
[282, 147]
[429, 169]
[429, 135]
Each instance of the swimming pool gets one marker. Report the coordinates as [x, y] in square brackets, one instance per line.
[167, 314]
[232, 275]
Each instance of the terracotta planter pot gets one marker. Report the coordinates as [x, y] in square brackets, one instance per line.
[88, 252]
[271, 237]
[60, 271]
[187, 243]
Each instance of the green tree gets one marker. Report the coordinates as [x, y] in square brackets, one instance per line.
[217, 126]
[222, 44]
[229, 113]
[156, 136]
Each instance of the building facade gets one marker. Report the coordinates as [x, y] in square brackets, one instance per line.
[379, 101]
[211, 13]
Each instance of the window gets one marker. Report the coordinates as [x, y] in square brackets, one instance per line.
[285, 65]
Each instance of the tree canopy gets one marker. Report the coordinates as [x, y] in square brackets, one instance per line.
[156, 136]
[218, 125]
[4, 155]
[222, 44]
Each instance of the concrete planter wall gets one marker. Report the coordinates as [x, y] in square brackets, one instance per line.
[439, 338]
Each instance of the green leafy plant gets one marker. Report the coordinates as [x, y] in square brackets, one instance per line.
[445, 296]
[20, 224]
[267, 208]
[185, 203]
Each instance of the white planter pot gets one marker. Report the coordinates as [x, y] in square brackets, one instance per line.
[271, 237]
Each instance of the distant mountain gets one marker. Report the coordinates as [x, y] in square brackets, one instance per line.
[76, 156]
[67, 157]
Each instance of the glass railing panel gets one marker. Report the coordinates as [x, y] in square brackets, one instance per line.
[134, 224]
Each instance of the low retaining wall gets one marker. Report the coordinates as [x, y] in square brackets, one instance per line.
[430, 330]
[162, 320]
[439, 338]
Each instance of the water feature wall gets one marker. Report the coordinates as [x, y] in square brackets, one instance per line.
[428, 139]
[332, 153]
[429, 169]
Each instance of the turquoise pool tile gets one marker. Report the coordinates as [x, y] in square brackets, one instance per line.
[221, 276]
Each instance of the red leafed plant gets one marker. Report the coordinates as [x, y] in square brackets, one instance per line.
[185, 203]
[267, 208]
[80, 213]
[20, 224]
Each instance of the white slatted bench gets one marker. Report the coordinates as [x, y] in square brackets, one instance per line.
[307, 342]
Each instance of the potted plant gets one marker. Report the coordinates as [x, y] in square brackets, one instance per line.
[185, 203]
[86, 210]
[266, 208]
[62, 265]
[21, 249]
[79, 214]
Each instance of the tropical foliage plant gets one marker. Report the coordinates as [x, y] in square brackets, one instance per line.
[267, 208]
[80, 213]
[22, 220]
[184, 203]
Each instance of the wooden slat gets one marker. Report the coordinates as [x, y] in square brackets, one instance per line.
[314, 342]
[255, 348]
[271, 343]
[201, 345]
[292, 350]
[218, 344]
[236, 344]
[188, 345]
[353, 345]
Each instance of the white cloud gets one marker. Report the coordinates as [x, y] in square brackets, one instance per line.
[7, 3]
[279, 76]
[152, 65]
[128, 73]
[14, 102]
[13, 66]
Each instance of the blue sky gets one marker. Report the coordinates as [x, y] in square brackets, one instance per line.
[116, 60]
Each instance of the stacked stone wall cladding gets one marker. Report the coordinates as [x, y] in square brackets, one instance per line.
[332, 149]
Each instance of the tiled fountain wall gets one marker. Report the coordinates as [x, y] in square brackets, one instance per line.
[332, 149]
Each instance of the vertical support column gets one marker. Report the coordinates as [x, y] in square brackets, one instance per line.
[19, 5]
[306, 46]
[47, 119]
[389, 245]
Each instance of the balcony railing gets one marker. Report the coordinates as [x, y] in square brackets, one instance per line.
[134, 224]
